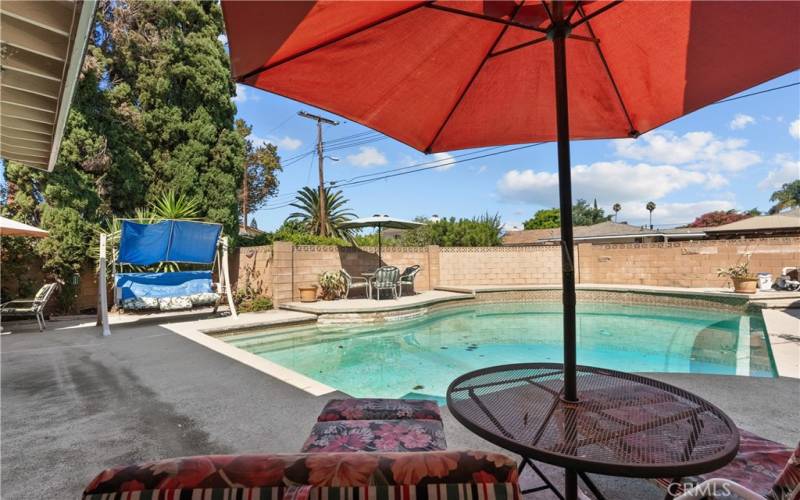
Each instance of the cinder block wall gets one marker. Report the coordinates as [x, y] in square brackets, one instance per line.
[500, 265]
[285, 267]
[683, 264]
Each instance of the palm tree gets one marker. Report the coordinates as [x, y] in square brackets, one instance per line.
[616, 208]
[650, 207]
[307, 202]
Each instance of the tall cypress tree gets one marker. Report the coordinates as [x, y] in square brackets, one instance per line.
[152, 113]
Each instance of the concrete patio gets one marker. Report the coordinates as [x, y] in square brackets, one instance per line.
[75, 403]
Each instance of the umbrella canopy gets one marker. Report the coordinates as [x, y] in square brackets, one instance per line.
[449, 75]
[10, 227]
[380, 221]
[444, 75]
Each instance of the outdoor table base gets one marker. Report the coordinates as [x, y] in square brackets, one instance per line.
[622, 424]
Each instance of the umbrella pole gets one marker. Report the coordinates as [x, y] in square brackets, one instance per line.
[380, 247]
[559, 34]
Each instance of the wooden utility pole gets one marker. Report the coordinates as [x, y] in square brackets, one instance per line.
[245, 194]
[323, 212]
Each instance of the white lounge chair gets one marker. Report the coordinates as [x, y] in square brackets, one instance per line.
[30, 307]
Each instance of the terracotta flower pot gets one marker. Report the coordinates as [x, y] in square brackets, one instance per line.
[308, 293]
[744, 285]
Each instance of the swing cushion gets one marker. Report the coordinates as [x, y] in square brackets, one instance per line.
[165, 291]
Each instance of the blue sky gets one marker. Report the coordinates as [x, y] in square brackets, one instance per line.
[726, 156]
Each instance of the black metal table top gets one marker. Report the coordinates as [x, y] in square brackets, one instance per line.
[622, 425]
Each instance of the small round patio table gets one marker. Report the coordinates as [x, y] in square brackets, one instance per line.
[622, 424]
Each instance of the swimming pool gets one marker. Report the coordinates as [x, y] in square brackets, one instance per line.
[422, 356]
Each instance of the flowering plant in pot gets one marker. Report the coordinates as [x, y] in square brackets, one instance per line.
[332, 284]
[743, 281]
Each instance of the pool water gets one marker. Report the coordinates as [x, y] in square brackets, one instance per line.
[420, 357]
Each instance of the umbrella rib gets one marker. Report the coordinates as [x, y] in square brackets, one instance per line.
[326, 43]
[485, 18]
[599, 11]
[516, 47]
[633, 132]
[472, 79]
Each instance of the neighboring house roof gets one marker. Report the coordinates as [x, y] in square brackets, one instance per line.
[603, 230]
[43, 44]
[249, 231]
[789, 220]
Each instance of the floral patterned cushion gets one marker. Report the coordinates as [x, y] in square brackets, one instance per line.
[170, 303]
[757, 466]
[379, 409]
[447, 475]
[376, 435]
[787, 486]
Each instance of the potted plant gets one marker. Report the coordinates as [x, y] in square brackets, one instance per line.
[743, 281]
[332, 284]
[308, 293]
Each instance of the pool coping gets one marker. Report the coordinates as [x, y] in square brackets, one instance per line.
[759, 299]
[208, 332]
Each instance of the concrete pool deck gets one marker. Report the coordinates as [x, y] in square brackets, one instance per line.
[74, 403]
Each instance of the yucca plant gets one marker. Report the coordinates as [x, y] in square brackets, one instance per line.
[173, 206]
[168, 206]
[307, 203]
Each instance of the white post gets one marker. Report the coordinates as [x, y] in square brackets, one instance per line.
[102, 288]
[226, 276]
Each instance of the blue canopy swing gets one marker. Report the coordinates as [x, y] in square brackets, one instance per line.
[178, 241]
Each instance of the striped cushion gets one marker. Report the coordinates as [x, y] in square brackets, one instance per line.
[435, 475]
[455, 491]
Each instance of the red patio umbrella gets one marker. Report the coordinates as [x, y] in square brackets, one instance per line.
[448, 75]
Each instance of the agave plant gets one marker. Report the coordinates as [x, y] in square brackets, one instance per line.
[307, 204]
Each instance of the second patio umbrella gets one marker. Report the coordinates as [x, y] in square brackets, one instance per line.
[381, 222]
[10, 227]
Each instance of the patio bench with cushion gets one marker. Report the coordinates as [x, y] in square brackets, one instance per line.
[767, 469]
[385, 425]
[433, 475]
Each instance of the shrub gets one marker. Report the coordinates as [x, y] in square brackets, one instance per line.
[256, 304]
[332, 284]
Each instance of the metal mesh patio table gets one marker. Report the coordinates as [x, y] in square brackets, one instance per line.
[622, 425]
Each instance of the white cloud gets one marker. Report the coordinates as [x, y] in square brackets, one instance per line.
[241, 94]
[512, 226]
[740, 121]
[698, 150]
[223, 38]
[284, 142]
[716, 181]
[794, 129]
[788, 170]
[289, 143]
[367, 156]
[609, 182]
[445, 160]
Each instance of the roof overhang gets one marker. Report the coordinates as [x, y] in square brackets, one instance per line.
[42, 48]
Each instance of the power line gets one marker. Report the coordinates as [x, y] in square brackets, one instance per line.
[455, 162]
[372, 136]
[757, 93]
